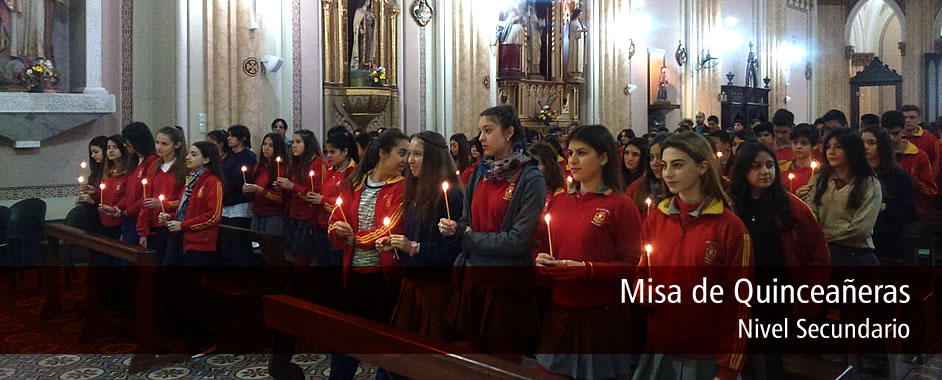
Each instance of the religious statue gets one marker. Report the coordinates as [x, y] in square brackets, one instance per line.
[363, 56]
[662, 86]
[577, 32]
[752, 71]
[510, 34]
[24, 27]
[535, 42]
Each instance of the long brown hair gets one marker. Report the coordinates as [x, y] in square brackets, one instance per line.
[647, 181]
[124, 164]
[312, 149]
[601, 141]
[552, 174]
[179, 154]
[437, 166]
[700, 150]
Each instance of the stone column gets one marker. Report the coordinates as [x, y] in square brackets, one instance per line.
[919, 38]
[86, 45]
[182, 95]
[830, 73]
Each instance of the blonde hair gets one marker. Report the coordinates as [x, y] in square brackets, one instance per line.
[700, 150]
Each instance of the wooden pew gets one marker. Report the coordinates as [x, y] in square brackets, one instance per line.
[143, 259]
[409, 354]
[264, 280]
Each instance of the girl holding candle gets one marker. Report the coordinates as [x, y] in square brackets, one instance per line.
[650, 186]
[552, 174]
[117, 169]
[803, 138]
[502, 209]
[268, 203]
[304, 205]
[140, 146]
[89, 192]
[166, 177]
[236, 210]
[694, 235]
[340, 150]
[371, 194]
[426, 286]
[785, 235]
[586, 332]
[898, 210]
[195, 228]
[460, 150]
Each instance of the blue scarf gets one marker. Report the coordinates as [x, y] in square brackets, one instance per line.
[190, 184]
[504, 170]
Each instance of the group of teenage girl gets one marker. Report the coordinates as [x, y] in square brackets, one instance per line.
[525, 250]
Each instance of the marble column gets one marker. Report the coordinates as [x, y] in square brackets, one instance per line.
[830, 73]
[772, 39]
[919, 39]
[615, 71]
[182, 95]
[86, 43]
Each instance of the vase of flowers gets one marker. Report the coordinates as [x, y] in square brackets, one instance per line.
[546, 115]
[38, 75]
[378, 76]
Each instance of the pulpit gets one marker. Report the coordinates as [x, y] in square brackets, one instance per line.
[360, 63]
[534, 69]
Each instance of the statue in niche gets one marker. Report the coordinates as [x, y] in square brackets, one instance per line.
[510, 34]
[535, 42]
[577, 32]
[26, 28]
[363, 56]
[662, 86]
[752, 71]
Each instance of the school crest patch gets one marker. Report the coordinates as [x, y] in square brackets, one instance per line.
[199, 194]
[509, 193]
[709, 255]
[600, 217]
[388, 202]
[117, 187]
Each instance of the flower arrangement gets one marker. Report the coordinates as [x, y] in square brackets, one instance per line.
[546, 115]
[378, 76]
[38, 75]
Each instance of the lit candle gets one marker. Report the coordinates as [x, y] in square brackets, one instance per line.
[161, 199]
[101, 193]
[814, 165]
[278, 168]
[311, 175]
[647, 209]
[648, 248]
[144, 188]
[244, 169]
[719, 155]
[568, 182]
[458, 172]
[549, 234]
[83, 165]
[340, 202]
[447, 207]
[791, 177]
[389, 234]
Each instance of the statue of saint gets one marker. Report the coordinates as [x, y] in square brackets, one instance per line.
[662, 86]
[535, 42]
[577, 31]
[26, 27]
[511, 34]
[363, 56]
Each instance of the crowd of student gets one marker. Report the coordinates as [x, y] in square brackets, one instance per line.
[567, 217]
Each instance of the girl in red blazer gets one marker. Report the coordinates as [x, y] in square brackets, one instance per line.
[790, 247]
[372, 195]
[139, 143]
[197, 220]
[340, 150]
[117, 169]
[89, 196]
[694, 235]
[650, 185]
[545, 155]
[166, 178]
[304, 206]
[268, 204]
[597, 242]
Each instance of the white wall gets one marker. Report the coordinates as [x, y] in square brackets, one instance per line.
[154, 63]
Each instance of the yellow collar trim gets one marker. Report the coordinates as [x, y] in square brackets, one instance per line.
[669, 207]
[910, 148]
[918, 132]
[389, 181]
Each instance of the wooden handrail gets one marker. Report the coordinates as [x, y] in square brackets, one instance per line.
[396, 350]
[99, 243]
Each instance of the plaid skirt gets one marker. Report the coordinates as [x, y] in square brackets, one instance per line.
[591, 343]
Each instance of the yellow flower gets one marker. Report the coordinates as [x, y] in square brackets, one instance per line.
[376, 80]
[38, 68]
[382, 76]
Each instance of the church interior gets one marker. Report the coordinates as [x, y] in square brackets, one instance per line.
[72, 71]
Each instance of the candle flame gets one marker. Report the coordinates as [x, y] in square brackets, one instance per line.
[278, 159]
[457, 172]
[547, 218]
[81, 179]
[648, 248]
[83, 164]
[814, 164]
[569, 179]
[160, 197]
[791, 176]
[339, 201]
[310, 173]
[647, 201]
[144, 181]
[101, 186]
[719, 154]
[245, 169]
[386, 221]
[445, 186]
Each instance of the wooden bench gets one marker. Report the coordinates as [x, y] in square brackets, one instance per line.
[145, 263]
[398, 351]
